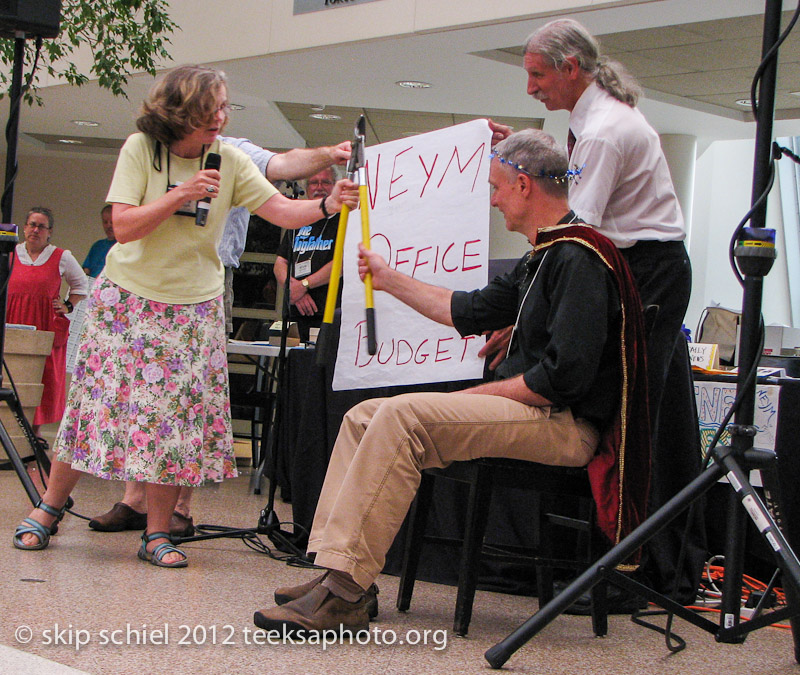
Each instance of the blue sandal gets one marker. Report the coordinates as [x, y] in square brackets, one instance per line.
[156, 556]
[42, 532]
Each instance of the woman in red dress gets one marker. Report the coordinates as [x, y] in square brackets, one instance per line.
[34, 298]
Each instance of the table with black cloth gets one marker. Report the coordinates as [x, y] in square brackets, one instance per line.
[310, 418]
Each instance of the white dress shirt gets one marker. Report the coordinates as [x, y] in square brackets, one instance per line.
[625, 187]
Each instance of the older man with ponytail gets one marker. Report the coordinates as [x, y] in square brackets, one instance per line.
[625, 190]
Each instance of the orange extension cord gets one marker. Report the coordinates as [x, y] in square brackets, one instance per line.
[710, 588]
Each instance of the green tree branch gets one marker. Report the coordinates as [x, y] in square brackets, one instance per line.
[124, 36]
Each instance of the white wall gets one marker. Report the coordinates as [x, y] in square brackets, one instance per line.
[722, 197]
[74, 188]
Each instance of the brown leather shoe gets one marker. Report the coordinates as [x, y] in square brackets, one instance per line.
[180, 525]
[120, 517]
[318, 610]
[286, 594]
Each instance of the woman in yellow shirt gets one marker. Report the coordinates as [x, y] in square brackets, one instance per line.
[149, 397]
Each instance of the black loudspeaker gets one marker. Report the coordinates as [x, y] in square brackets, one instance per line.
[32, 17]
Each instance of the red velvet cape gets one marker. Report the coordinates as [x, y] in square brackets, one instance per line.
[620, 470]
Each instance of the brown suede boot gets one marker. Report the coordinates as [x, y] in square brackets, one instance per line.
[286, 594]
[318, 610]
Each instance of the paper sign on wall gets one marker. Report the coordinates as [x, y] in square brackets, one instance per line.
[714, 401]
[429, 218]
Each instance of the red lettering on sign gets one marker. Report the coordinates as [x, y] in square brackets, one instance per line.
[440, 351]
[447, 250]
[417, 263]
[401, 352]
[469, 255]
[449, 260]
[398, 261]
[466, 340]
[373, 195]
[462, 169]
[428, 174]
[394, 180]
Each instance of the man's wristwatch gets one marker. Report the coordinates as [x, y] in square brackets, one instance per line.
[68, 305]
[304, 283]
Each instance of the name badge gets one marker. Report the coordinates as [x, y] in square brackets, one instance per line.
[302, 269]
[188, 208]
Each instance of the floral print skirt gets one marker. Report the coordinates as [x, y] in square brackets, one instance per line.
[149, 395]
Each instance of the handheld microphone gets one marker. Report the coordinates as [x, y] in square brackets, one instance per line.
[213, 161]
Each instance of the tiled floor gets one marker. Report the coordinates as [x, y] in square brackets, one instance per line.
[91, 591]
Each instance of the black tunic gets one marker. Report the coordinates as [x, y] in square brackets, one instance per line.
[566, 342]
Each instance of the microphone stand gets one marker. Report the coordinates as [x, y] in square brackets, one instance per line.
[283, 541]
[754, 255]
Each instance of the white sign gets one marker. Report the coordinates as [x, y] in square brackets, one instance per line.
[305, 6]
[705, 356]
[429, 218]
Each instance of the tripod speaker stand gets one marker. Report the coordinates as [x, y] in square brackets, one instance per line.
[754, 254]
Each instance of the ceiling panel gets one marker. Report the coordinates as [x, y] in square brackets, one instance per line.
[697, 84]
[637, 40]
[740, 26]
[716, 55]
[644, 66]
[99, 145]
[692, 73]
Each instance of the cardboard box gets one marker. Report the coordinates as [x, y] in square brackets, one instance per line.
[292, 336]
[781, 339]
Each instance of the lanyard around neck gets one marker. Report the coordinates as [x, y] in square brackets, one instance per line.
[202, 155]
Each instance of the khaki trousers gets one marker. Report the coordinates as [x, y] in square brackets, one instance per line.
[384, 444]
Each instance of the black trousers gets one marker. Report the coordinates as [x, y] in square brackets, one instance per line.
[664, 277]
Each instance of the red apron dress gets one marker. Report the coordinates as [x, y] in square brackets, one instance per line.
[31, 290]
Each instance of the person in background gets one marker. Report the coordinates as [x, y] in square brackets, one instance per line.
[34, 298]
[312, 249]
[292, 165]
[96, 258]
[149, 399]
[131, 512]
